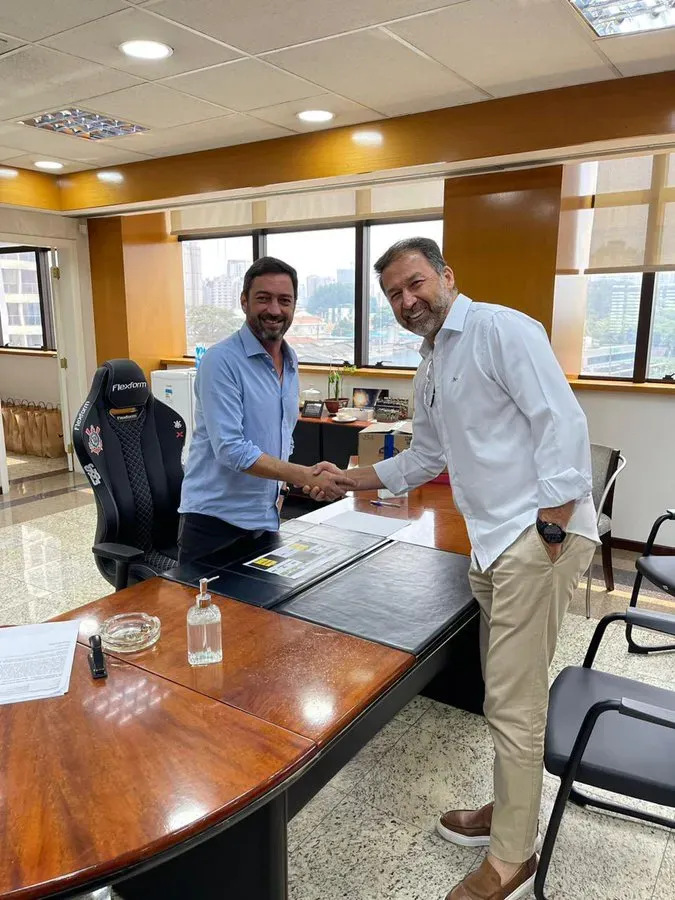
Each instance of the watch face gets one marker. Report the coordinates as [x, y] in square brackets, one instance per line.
[552, 534]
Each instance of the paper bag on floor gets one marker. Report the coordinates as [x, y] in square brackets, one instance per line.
[52, 435]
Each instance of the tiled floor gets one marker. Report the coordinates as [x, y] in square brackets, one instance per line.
[369, 834]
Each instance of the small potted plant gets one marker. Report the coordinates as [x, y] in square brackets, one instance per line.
[335, 376]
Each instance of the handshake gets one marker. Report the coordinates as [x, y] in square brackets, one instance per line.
[327, 482]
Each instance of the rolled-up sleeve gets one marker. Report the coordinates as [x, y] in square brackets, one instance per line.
[423, 460]
[525, 366]
[221, 401]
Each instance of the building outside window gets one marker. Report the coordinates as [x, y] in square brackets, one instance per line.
[25, 303]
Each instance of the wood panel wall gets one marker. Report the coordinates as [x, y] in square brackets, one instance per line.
[617, 109]
[500, 236]
[137, 286]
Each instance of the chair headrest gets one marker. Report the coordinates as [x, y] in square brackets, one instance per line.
[127, 385]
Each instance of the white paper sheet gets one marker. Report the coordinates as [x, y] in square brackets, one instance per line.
[367, 523]
[36, 660]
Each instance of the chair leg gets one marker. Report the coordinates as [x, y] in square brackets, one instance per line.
[634, 647]
[607, 569]
[589, 581]
[550, 838]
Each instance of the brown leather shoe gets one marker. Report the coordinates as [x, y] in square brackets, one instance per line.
[485, 883]
[466, 827]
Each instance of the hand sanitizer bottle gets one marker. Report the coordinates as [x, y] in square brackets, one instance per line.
[204, 631]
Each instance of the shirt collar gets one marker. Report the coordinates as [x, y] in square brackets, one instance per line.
[454, 321]
[253, 347]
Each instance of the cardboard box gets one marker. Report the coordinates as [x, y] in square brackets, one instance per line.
[371, 440]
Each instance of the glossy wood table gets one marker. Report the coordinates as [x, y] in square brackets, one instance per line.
[302, 677]
[131, 769]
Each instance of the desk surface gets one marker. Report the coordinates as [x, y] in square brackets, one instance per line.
[297, 675]
[120, 769]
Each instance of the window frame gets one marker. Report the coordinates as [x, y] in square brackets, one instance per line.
[643, 338]
[44, 296]
[361, 262]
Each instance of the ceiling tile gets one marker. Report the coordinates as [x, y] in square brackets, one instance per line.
[46, 143]
[99, 41]
[26, 160]
[223, 132]
[153, 105]
[507, 47]
[639, 54]
[243, 85]
[376, 70]
[36, 79]
[346, 112]
[259, 25]
[8, 43]
[36, 19]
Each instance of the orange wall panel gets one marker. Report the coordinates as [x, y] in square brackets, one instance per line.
[500, 236]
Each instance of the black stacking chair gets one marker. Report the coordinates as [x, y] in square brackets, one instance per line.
[612, 733]
[129, 445]
[660, 570]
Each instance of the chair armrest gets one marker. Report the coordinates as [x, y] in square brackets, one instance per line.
[657, 715]
[118, 552]
[669, 515]
[654, 621]
[122, 555]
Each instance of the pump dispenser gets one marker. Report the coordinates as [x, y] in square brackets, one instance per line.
[204, 631]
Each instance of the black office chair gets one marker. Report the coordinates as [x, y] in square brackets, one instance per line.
[660, 570]
[612, 733]
[130, 445]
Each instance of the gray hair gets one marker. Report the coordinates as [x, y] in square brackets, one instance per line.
[428, 248]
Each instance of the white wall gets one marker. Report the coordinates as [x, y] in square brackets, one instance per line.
[29, 378]
[69, 238]
[642, 426]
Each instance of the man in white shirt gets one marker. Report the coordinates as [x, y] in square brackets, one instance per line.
[492, 403]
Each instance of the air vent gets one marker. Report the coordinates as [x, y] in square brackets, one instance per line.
[83, 124]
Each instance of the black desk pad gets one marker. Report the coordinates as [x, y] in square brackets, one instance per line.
[262, 587]
[403, 596]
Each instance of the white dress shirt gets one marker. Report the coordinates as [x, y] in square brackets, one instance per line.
[492, 402]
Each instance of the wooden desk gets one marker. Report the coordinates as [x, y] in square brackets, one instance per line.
[122, 770]
[303, 677]
[166, 779]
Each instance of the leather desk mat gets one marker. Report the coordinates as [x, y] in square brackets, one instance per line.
[259, 585]
[402, 596]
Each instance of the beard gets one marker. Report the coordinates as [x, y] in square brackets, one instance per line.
[430, 317]
[269, 329]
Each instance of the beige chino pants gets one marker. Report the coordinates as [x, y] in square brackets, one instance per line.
[523, 598]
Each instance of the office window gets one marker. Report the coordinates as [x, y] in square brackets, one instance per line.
[25, 301]
[323, 327]
[388, 343]
[662, 344]
[610, 333]
[213, 277]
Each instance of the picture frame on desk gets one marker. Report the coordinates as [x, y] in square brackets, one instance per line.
[312, 409]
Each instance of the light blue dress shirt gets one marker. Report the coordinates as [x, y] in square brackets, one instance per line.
[243, 409]
[492, 403]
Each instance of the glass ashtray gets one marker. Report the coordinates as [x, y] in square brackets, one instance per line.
[130, 632]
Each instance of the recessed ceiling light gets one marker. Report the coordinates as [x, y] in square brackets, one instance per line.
[81, 123]
[110, 177]
[146, 49]
[315, 115]
[612, 17]
[8, 173]
[49, 164]
[368, 138]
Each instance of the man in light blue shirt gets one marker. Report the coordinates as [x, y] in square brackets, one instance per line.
[247, 393]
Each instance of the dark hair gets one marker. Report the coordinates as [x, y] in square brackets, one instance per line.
[270, 265]
[428, 248]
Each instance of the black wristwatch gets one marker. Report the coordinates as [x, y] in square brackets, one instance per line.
[550, 532]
